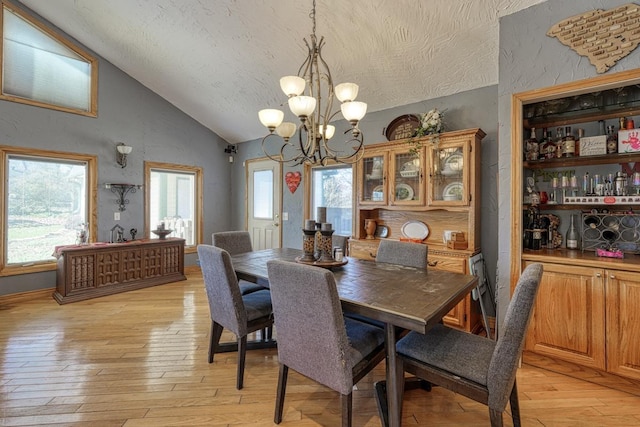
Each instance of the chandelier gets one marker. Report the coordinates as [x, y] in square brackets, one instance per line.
[312, 140]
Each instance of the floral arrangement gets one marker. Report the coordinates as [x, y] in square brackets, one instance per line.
[431, 123]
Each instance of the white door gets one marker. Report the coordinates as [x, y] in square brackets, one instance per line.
[264, 190]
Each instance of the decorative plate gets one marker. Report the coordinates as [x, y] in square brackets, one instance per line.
[453, 191]
[453, 164]
[415, 230]
[402, 127]
[377, 193]
[381, 231]
[404, 192]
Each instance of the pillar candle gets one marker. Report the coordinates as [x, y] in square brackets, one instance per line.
[326, 226]
[321, 214]
[309, 224]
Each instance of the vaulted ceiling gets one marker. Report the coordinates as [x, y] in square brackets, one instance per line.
[220, 61]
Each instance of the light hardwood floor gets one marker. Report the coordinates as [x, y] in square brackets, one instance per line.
[140, 359]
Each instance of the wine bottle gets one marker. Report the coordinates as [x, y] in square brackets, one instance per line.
[572, 235]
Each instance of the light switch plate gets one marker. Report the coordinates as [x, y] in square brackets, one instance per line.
[116, 216]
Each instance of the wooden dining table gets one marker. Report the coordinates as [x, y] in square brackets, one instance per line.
[405, 297]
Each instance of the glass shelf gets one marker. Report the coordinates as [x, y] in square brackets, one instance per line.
[602, 105]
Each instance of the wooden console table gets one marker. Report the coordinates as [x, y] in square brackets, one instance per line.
[100, 269]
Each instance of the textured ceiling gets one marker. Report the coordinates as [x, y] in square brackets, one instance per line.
[220, 61]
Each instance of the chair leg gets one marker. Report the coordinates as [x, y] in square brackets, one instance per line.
[242, 351]
[216, 333]
[282, 386]
[495, 417]
[346, 401]
[515, 406]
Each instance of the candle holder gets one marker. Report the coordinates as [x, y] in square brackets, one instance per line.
[308, 245]
[326, 246]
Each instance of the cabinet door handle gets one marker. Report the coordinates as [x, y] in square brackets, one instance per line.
[612, 277]
[372, 255]
[432, 263]
[598, 275]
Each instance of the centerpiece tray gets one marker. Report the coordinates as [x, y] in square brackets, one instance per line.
[323, 264]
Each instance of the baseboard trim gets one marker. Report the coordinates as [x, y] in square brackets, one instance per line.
[11, 299]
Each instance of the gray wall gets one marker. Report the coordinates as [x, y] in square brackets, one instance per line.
[157, 131]
[471, 109]
[531, 60]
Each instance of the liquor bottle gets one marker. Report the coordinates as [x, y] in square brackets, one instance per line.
[568, 143]
[536, 238]
[572, 235]
[559, 142]
[546, 146]
[612, 140]
[532, 146]
[623, 123]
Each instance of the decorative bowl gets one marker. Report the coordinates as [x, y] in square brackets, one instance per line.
[162, 234]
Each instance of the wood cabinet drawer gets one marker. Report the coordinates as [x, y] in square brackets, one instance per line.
[363, 249]
[440, 262]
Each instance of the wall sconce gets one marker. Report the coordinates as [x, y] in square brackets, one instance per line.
[122, 150]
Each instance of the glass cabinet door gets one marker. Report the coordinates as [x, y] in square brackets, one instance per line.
[449, 174]
[407, 174]
[373, 175]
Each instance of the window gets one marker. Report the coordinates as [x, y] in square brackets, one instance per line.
[41, 68]
[173, 199]
[332, 187]
[263, 194]
[49, 197]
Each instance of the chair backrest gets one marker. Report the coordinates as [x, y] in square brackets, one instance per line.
[225, 300]
[504, 362]
[402, 253]
[312, 338]
[234, 242]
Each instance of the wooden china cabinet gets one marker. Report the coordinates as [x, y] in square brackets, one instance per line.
[587, 311]
[427, 186]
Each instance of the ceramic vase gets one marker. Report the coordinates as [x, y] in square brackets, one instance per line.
[370, 228]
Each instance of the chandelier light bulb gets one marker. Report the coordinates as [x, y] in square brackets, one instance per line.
[286, 130]
[292, 85]
[353, 111]
[302, 106]
[346, 92]
[270, 118]
[329, 133]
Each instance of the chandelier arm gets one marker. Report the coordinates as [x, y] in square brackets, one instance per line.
[280, 158]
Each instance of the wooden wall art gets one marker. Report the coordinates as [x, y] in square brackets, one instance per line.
[603, 36]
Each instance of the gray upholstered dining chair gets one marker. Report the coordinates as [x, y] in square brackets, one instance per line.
[473, 366]
[236, 242]
[241, 314]
[408, 254]
[314, 338]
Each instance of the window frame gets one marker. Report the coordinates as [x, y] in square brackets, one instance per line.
[198, 197]
[91, 59]
[308, 176]
[92, 201]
